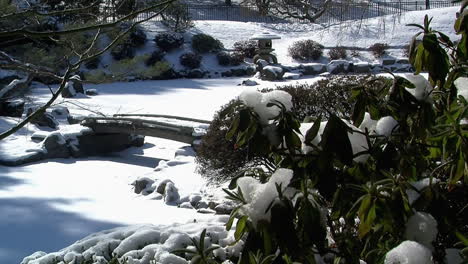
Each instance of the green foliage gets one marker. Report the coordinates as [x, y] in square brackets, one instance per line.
[363, 203]
[246, 47]
[305, 50]
[203, 43]
[190, 60]
[200, 255]
[167, 41]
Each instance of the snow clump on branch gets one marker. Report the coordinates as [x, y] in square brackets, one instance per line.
[259, 196]
[421, 227]
[259, 101]
[409, 252]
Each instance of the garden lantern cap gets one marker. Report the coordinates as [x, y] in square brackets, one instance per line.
[264, 36]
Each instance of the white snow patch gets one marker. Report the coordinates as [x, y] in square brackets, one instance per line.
[258, 101]
[421, 227]
[423, 88]
[385, 126]
[409, 252]
[259, 196]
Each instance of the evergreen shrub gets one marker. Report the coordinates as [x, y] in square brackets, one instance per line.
[203, 43]
[305, 50]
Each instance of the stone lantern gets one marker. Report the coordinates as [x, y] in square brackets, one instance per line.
[264, 48]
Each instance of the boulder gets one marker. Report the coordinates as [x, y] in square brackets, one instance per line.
[12, 108]
[186, 205]
[171, 194]
[15, 87]
[45, 119]
[239, 72]
[91, 92]
[142, 184]
[98, 144]
[162, 186]
[361, 67]
[271, 73]
[249, 82]
[73, 87]
[388, 61]
[339, 66]
[313, 68]
[402, 61]
[61, 111]
[224, 208]
[56, 146]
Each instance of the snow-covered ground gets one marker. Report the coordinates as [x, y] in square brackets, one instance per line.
[50, 204]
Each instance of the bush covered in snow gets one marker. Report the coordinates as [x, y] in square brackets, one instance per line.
[229, 59]
[190, 60]
[338, 52]
[246, 47]
[305, 50]
[338, 188]
[203, 43]
[167, 41]
[378, 49]
[330, 95]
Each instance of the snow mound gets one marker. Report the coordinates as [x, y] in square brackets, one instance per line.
[141, 244]
[409, 252]
[421, 227]
[462, 87]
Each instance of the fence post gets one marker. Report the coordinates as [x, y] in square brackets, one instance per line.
[428, 5]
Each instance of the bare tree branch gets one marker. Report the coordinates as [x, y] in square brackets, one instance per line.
[12, 63]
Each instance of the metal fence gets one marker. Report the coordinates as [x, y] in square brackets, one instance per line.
[334, 14]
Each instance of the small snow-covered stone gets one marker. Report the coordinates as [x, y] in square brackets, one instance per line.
[249, 82]
[421, 227]
[409, 252]
[162, 185]
[206, 211]
[171, 194]
[186, 205]
[338, 66]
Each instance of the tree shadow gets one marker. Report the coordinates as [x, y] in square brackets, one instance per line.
[28, 225]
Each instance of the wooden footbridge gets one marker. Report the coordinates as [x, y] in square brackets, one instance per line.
[176, 128]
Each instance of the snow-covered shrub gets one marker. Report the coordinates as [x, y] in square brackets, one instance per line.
[236, 58]
[332, 94]
[123, 51]
[167, 41]
[347, 198]
[305, 50]
[203, 43]
[156, 56]
[226, 59]
[246, 47]
[158, 70]
[217, 158]
[378, 49]
[338, 52]
[190, 60]
[97, 76]
[223, 58]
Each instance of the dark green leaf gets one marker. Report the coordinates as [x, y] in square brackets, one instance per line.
[313, 131]
[233, 128]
